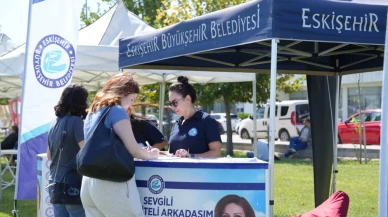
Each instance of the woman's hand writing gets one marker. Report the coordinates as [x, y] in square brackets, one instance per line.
[182, 153]
[153, 154]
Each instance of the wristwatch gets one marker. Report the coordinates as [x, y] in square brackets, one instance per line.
[192, 155]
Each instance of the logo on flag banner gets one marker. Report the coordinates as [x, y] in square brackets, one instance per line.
[54, 59]
[49, 62]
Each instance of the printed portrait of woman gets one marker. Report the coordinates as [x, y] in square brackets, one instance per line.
[233, 206]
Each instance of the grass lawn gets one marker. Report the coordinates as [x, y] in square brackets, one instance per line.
[294, 190]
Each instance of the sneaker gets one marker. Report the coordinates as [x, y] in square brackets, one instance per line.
[292, 150]
[287, 154]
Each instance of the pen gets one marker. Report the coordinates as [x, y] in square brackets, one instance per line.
[149, 148]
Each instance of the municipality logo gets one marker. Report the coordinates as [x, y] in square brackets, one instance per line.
[155, 184]
[73, 191]
[193, 132]
[54, 59]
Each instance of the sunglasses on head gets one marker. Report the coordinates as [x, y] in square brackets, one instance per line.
[174, 103]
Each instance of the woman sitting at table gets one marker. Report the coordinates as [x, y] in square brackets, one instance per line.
[10, 141]
[196, 133]
[145, 132]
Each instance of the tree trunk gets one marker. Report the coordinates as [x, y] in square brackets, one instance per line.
[143, 107]
[167, 128]
[361, 121]
[229, 135]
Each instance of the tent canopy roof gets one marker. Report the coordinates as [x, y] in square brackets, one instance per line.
[97, 54]
[6, 44]
[319, 37]
[116, 23]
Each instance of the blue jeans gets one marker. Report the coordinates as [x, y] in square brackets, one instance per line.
[296, 144]
[65, 210]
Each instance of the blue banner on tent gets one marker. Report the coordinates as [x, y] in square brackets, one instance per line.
[238, 25]
[334, 21]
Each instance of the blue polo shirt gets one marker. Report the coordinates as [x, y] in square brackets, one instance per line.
[152, 135]
[194, 134]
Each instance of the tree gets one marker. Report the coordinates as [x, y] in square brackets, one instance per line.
[4, 101]
[242, 92]
[88, 17]
[360, 125]
[145, 9]
[175, 11]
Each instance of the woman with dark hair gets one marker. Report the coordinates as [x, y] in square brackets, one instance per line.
[70, 112]
[10, 141]
[195, 134]
[233, 206]
[102, 198]
[145, 132]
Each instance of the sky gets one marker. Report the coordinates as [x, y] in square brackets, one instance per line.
[14, 17]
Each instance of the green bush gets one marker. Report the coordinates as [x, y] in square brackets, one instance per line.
[243, 116]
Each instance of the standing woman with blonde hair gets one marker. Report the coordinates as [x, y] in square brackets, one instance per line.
[99, 197]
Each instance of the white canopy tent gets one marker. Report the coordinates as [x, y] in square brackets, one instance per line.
[97, 51]
[6, 44]
[97, 58]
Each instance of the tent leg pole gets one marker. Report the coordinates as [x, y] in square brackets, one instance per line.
[383, 182]
[254, 104]
[274, 55]
[15, 211]
[335, 139]
[162, 92]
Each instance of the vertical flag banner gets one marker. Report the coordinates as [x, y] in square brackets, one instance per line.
[52, 39]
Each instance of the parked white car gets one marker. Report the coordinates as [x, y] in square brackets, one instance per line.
[289, 117]
[221, 118]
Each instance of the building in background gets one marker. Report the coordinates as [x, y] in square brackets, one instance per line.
[371, 87]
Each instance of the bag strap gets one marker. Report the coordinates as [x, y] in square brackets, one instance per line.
[63, 135]
[63, 180]
[102, 118]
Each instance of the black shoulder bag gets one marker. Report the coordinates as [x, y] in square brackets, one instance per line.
[63, 192]
[104, 156]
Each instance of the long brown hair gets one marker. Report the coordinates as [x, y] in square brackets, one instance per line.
[114, 89]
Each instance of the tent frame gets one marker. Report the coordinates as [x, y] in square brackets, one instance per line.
[275, 58]
[341, 56]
